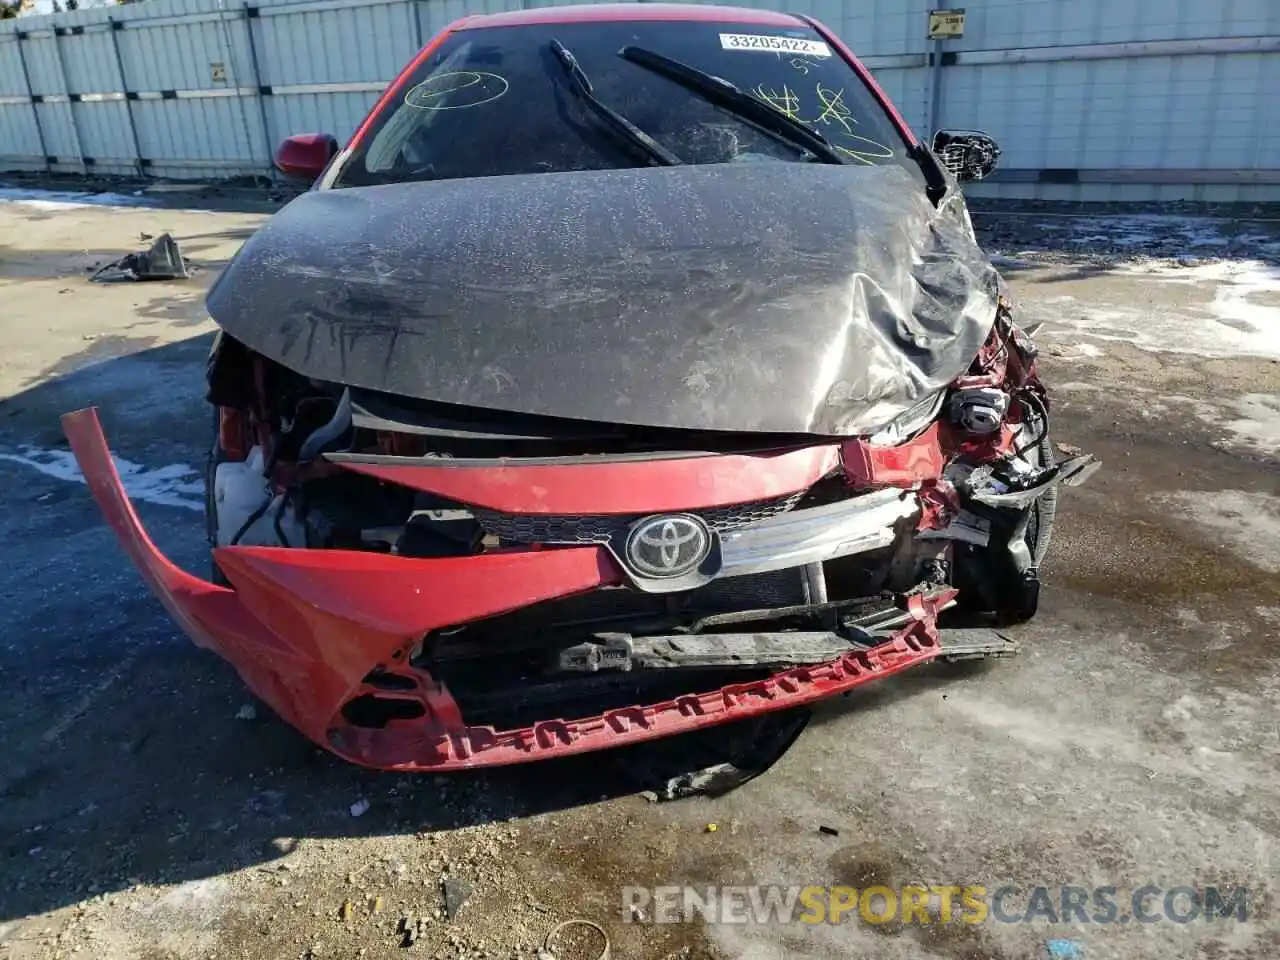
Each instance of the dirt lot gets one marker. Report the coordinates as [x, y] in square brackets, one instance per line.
[146, 811]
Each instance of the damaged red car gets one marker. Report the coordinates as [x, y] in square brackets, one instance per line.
[633, 369]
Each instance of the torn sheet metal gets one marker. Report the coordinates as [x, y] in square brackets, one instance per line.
[781, 297]
[992, 485]
[163, 261]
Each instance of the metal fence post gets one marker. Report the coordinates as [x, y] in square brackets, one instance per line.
[934, 105]
[71, 107]
[949, 25]
[416, 7]
[115, 27]
[251, 14]
[31, 95]
[935, 89]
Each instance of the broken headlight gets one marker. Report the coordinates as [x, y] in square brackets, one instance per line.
[979, 409]
[910, 422]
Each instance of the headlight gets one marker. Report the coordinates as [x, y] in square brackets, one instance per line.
[910, 422]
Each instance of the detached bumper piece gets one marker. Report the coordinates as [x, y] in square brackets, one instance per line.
[317, 634]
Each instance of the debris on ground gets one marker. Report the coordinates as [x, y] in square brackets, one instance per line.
[711, 781]
[360, 807]
[412, 928]
[829, 831]
[280, 846]
[751, 753]
[455, 892]
[575, 940]
[163, 261]
[409, 930]
[1064, 950]
[1070, 449]
[247, 712]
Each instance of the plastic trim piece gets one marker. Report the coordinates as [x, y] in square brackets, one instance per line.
[800, 537]
[608, 486]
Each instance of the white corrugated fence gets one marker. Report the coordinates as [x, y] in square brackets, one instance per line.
[1090, 99]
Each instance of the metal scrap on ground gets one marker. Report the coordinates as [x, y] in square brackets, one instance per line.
[162, 261]
[455, 892]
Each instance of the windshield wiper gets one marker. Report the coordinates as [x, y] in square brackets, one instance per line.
[620, 125]
[736, 101]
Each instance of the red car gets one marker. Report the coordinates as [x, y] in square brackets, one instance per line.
[633, 369]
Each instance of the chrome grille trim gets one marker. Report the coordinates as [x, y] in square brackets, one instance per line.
[583, 529]
[856, 525]
[754, 538]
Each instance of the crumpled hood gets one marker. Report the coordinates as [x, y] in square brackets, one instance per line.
[779, 297]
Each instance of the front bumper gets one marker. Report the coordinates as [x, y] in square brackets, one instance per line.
[308, 631]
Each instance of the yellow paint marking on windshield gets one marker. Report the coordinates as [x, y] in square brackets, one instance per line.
[786, 100]
[456, 90]
[834, 111]
[833, 108]
[870, 152]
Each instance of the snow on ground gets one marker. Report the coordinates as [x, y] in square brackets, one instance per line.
[1250, 422]
[1175, 334]
[1257, 422]
[1079, 351]
[66, 200]
[1017, 237]
[1246, 297]
[1229, 271]
[1231, 327]
[175, 485]
[1145, 229]
[1004, 260]
[1247, 523]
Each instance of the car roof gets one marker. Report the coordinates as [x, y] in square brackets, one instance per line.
[586, 13]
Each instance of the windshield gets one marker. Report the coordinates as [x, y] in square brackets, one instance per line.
[496, 101]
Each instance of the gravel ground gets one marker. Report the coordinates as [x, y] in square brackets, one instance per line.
[148, 809]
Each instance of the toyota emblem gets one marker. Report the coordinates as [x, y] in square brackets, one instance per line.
[668, 546]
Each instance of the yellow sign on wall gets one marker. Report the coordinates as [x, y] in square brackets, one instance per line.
[946, 23]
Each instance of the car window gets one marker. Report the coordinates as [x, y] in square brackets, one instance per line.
[495, 101]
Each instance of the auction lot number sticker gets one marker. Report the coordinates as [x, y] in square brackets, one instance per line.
[770, 44]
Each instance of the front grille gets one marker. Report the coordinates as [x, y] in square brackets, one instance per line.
[620, 608]
[526, 528]
[512, 649]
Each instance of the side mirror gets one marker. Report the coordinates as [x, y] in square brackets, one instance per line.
[305, 155]
[968, 154]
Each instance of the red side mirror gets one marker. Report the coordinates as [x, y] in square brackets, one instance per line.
[305, 155]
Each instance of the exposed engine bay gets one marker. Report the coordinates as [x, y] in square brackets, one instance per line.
[957, 494]
[421, 585]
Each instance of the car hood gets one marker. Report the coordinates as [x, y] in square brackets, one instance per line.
[776, 297]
